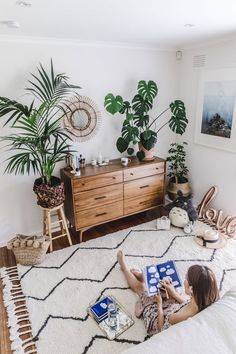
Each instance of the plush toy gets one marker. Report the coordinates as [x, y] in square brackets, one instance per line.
[186, 204]
[178, 217]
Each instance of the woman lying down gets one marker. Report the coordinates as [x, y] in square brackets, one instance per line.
[159, 312]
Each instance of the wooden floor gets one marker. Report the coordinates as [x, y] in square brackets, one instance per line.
[7, 258]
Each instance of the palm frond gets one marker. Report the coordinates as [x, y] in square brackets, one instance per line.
[14, 108]
[51, 87]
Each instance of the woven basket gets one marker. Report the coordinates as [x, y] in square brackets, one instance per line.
[29, 250]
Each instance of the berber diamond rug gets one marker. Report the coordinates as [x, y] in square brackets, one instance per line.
[58, 291]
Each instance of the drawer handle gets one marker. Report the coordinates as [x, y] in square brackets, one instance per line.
[102, 197]
[114, 177]
[157, 168]
[101, 214]
[146, 185]
[131, 173]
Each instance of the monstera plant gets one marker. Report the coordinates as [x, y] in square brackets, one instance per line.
[137, 125]
[39, 141]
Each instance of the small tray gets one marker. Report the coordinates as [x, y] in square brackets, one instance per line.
[124, 320]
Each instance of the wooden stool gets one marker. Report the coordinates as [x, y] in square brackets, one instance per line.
[61, 222]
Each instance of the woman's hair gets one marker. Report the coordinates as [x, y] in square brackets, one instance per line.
[204, 286]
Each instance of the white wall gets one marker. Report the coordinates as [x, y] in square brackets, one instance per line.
[208, 166]
[99, 70]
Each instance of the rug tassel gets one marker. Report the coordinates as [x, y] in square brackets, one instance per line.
[12, 295]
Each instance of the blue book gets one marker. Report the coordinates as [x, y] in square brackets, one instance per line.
[154, 273]
[100, 308]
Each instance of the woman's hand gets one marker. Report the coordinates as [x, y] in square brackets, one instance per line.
[169, 287]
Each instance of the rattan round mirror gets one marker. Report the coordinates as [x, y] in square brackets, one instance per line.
[84, 119]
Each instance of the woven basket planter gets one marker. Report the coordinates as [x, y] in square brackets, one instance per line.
[49, 196]
[29, 250]
[173, 189]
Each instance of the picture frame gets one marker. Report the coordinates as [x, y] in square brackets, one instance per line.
[216, 109]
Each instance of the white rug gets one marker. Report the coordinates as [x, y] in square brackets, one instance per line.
[60, 289]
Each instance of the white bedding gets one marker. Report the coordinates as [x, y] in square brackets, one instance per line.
[212, 331]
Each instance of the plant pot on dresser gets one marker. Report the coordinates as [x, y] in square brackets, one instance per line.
[106, 193]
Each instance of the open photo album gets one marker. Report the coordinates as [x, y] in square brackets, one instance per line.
[154, 273]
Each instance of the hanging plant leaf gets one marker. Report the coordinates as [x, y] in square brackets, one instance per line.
[125, 108]
[140, 105]
[113, 104]
[121, 144]
[130, 151]
[148, 90]
[140, 155]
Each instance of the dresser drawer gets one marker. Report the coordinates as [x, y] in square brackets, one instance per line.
[143, 171]
[95, 216]
[145, 202]
[148, 185]
[100, 180]
[97, 197]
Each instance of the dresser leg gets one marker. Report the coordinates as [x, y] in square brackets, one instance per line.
[81, 236]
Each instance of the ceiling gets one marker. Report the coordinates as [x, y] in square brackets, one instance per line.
[152, 23]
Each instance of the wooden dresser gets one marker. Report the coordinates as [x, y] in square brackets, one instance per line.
[102, 194]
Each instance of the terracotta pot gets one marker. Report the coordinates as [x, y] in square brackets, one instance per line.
[49, 196]
[149, 154]
[173, 188]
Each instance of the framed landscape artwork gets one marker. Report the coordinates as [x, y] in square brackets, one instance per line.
[216, 109]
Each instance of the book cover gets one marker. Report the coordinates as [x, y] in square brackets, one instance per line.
[156, 272]
[99, 309]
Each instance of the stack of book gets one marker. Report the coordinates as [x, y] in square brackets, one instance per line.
[99, 310]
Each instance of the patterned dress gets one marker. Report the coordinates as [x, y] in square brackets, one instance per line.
[146, 307]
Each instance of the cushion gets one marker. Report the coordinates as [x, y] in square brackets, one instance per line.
[211, 331]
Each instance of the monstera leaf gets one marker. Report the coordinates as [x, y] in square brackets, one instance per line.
[130, 151]
[140, 105]
[140, 155]
[148, 90]
[113, 104]
[141, 120]
[125, 108]
[178, 121]
[121, 144]
[148, 139]
[129, 132]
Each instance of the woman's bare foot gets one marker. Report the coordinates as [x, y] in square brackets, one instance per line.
[137, 274]
[121, 259]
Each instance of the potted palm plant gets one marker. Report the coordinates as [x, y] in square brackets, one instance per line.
[137, 125]
[178, 171]
[40, 142]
